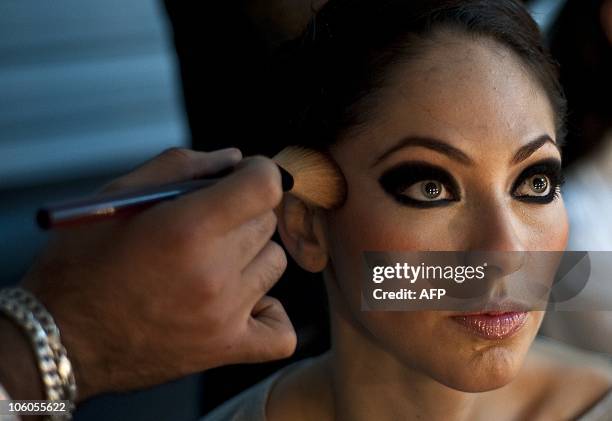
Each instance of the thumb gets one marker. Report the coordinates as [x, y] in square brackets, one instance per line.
[174, 165]
[271, 335]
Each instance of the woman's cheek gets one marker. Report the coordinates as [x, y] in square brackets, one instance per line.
[545, 226]
[558, 227]
[380, 224]
[357, 228]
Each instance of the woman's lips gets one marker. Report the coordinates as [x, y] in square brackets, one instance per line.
[494, 324]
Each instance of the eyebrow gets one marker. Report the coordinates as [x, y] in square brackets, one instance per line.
[458, 155]
[429, 143]
[527, 150]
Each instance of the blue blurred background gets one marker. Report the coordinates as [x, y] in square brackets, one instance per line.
[87, 90]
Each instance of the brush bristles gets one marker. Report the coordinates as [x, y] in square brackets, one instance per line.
[317, 179]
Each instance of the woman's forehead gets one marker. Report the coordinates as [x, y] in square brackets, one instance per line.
[471, 93]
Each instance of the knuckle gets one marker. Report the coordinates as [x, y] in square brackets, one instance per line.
[277, 261]
[260, 228]
[266, 224]
[178, 159]
[176, 154]
[286, 339]
[267, 179]
[288, 343]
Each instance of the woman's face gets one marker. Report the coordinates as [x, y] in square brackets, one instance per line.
[467, 116]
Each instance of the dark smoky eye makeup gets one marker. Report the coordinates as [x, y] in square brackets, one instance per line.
[543, 174]
[396, 180]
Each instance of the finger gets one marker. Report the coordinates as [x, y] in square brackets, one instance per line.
[264, 271]
[252, 189]
[270, 335]
[177, 164]
[250, 238]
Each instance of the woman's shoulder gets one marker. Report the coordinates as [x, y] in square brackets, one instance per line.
[565, 383]
[250, 405]
[304, 393]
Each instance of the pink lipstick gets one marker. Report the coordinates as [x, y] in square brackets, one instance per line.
[493, 324]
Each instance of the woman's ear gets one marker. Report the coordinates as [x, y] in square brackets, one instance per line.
[300, 228]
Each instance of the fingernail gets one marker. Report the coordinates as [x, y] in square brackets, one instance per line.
[235, 153]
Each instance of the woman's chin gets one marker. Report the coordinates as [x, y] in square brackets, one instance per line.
[472, 355]
[489, 369]
[487, 358]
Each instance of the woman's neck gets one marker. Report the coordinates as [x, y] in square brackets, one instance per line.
[369, 383]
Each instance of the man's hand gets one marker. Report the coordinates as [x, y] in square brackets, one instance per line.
[177, 288]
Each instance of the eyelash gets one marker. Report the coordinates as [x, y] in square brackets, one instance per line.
[551, 168]
[396, 180]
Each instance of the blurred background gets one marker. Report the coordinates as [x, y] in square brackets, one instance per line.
[90, 89]
[87, 90]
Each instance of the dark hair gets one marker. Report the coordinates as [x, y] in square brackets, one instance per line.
[328, 76]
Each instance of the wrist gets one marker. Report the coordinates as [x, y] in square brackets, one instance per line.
[48, 353]
[70, 327]
[81, 356]
[18, 367]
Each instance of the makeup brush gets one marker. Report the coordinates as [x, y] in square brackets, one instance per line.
[310, 175]
[317, 180]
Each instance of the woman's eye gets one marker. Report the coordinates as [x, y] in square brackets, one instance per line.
[420, 185]
[427, 191]
[536, 185]
[540, 183]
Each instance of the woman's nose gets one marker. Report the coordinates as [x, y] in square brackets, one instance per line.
[497, 236]
[495, 227]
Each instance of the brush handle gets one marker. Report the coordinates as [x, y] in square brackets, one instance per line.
[93, 208]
